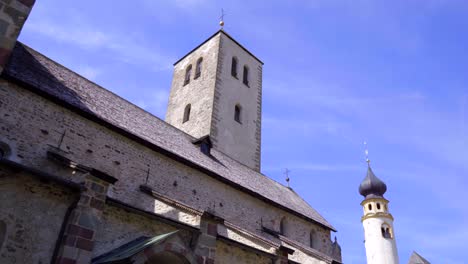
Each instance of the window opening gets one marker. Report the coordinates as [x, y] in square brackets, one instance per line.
[237, 113]
[245, 78]
[198, 68]
[234, 67]
[188, 72]
[187, 113]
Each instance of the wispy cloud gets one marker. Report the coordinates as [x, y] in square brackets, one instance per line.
[314, 167]
[125, 46]
[88, 72]
[155, 102]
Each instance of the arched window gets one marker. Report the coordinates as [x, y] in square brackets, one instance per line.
[283, 226]
[370, 207]
[245, 78]
[198, 68]
[234, 67]
[188, 72]
[186, 113]
[386, 231]
[312, 239]
[237, 113]
[378, 206]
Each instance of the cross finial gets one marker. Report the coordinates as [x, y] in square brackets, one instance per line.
[221, 22]
[367, 153]
[286, 173]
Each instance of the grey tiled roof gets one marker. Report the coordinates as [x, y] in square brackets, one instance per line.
[417, 259]
[47, 77]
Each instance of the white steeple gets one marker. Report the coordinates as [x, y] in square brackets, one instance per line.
[377, 221]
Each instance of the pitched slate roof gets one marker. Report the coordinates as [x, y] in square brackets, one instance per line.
[54, 81]
[417, 259]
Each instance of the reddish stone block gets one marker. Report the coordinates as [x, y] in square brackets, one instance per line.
[168, 246]
[86, 233]
[74, 230]
[70, 241]
[148, 252]
[98, 204]
[4, 56]
[212, 229]
[84, 244]
[66, 261]
[200, 260]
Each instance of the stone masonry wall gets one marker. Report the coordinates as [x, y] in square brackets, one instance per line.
[33, 213]
[30, 124]
[13, 14]
[240, 141]
[198, 92]
[231, 254]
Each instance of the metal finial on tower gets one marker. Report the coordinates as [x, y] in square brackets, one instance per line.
[221, 22]
[286, 173]
[367, 153]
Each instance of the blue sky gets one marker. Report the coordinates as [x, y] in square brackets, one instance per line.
[337, 73]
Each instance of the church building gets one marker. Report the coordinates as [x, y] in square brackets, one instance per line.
[88, 177]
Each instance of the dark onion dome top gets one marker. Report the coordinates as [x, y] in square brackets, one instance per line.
[371, 186]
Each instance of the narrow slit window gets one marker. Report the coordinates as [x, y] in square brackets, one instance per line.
[187, 113]
[283, 226]
[312, 238]
[234, 67]
[198, 68]
[245, 78]
[370, 207]
[237, 113]
[188, 72]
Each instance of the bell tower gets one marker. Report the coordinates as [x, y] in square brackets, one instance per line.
[217, 92]
[377, 221]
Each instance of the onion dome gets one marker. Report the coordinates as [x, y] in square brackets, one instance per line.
[371, 186]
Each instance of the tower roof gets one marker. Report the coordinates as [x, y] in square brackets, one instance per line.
[371, 186]
[221, 31]
[417, 259]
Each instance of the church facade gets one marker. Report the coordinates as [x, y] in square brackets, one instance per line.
[88, 177]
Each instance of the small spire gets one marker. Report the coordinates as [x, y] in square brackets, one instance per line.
[286, 173]
[367, 153]
[221, 18]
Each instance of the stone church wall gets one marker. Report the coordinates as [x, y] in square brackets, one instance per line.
[231, 254]
[32, 213]
[119, 227]
[30, 124]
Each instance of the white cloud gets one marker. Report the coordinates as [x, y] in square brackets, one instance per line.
[88, 72]
[154, 102]
[127, 47]
[314, 167]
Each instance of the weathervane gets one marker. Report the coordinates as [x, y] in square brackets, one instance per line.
[221, 22]
[367, 153]
[286, 173]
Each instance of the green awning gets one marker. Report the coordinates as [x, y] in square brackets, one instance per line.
[124, 252]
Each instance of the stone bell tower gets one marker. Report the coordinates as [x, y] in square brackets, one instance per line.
[377, 221]
[217, 91]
